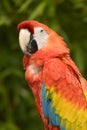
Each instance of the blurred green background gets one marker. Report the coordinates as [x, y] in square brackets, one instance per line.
[66, 17]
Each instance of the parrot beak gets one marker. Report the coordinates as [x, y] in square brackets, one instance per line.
[27, 42]
[32, 45]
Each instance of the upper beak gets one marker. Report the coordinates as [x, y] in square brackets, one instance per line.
[27, 42]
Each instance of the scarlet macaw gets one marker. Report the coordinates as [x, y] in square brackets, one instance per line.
[58, 87]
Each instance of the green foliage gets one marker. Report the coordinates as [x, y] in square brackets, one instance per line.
[69, 19]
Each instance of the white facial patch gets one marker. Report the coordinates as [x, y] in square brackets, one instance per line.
[24, 38]
[40, 35]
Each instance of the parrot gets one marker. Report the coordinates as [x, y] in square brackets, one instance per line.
[58, 87]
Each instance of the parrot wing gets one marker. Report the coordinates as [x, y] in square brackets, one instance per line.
[63, 99]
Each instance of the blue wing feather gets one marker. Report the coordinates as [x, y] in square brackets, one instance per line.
[48, 110]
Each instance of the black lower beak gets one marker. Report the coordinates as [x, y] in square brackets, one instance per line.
[32, 45]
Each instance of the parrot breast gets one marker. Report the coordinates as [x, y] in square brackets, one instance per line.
[58, 87]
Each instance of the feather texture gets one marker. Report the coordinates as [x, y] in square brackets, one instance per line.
[58, 87]
[62, 113]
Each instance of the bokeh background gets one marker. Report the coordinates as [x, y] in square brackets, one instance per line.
[66, 17]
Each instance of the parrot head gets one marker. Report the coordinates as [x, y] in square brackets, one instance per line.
[32, 36]
[39, 41]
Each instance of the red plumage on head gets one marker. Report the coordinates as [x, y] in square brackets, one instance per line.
[26, 25]
[66, 88]
[30, 24]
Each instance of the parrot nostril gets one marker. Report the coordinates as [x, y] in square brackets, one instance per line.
[32, 47]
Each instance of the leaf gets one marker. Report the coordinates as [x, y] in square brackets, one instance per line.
[4, 20]
[24, 6]
[8, 126]
[38, 10]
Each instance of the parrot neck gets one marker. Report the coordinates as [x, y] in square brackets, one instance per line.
[43, 56]
[54, 48]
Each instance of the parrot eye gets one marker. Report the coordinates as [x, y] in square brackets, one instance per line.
[30, 43]
[41, 36]
[41, 30]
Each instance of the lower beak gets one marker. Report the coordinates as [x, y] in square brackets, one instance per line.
[32, 45]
